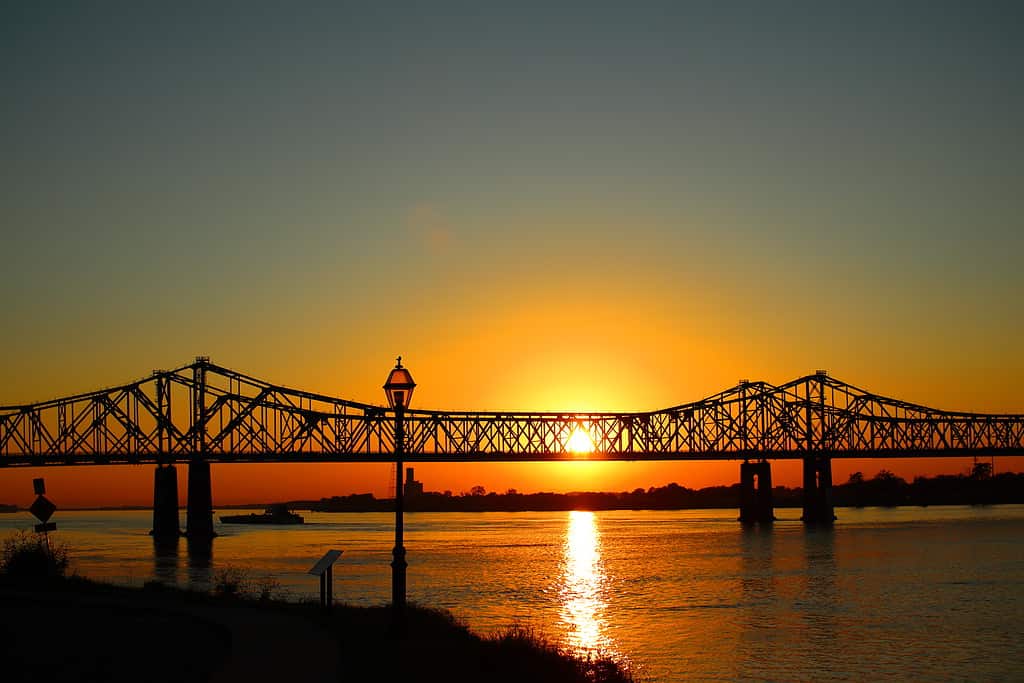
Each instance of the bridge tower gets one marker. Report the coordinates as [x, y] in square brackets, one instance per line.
[165, 478]
[165, 502]
[756, 505]
[818, 506]
[817, 503]
[199, 516]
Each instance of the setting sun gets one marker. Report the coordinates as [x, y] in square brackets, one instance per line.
[580, 441]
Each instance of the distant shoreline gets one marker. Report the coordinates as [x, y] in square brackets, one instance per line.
[883, 490]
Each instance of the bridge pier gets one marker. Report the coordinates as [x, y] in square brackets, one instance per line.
[165, 502]
[756, 505]
[818, 508]
[199, 516]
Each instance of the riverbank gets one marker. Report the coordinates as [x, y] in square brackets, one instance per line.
[883, 490]
[79, 630]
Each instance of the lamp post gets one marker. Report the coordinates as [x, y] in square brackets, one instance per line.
[399, 389]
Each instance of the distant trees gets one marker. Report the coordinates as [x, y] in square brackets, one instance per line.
[885, 489]
[888, 489]
[981, 470]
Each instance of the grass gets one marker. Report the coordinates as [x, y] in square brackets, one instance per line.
[437, 646]
[30, 557]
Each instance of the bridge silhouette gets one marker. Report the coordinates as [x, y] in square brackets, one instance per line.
[203, 413]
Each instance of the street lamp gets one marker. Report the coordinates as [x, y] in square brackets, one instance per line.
[399, 389]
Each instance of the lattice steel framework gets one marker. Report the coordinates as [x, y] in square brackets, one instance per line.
[204, 410]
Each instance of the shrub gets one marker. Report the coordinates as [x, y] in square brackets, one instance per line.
[236, 583]
[26, 556]
[528, 655]
[230, 582]
[265, 588]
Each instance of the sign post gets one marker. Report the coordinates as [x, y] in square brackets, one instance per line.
[324, 568]
[43, 509]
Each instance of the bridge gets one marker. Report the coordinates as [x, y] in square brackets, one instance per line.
[203, 413]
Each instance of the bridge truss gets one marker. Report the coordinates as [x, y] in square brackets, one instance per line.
[207, 411]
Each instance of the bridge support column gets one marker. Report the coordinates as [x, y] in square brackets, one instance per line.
[818, 508]
[199, 521]
[756, 505]
[165, 502]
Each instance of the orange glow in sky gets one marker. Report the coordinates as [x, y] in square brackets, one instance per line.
[539, 213]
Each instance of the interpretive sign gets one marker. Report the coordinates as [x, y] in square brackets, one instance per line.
[325, 562]
[324, 568]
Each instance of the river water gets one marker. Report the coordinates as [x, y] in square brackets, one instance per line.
[897, 594]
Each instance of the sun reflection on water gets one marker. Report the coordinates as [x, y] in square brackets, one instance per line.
[584, 585]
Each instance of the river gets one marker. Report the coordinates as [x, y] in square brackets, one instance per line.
[900, 594]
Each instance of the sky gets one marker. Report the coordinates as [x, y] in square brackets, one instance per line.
[544, 206]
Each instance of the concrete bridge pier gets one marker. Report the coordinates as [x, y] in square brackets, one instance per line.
[818, 508]
[756, 505]
[165, 503]
[199, 516]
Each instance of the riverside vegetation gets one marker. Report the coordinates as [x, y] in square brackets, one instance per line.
[885, 489]
[124, 630]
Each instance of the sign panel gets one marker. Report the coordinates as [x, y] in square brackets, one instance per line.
[325, 562]
[49, 526]
[43, 509]
[39, 486]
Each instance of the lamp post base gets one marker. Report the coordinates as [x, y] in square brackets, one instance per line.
[398, 565]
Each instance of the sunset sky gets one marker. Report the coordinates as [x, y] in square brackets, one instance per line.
[539, 205]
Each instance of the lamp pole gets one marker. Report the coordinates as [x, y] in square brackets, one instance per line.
[398, 389]
[398, 563]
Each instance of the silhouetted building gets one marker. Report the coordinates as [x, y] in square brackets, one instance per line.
[413, 488]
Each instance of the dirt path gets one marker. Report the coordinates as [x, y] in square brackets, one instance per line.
[272, 646]
[68, 636]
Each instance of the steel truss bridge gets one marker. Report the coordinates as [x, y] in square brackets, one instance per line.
[215, 414]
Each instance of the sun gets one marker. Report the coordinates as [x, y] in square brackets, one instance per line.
[580, 441]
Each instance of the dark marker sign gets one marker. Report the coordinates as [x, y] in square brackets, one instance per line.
[43, 509]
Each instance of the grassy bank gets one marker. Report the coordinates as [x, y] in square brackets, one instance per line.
[74, 629]
[58, 628]
[438, 647]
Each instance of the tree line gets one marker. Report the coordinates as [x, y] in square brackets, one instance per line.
[980, 487]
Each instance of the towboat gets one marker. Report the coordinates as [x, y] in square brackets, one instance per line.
[275, 514]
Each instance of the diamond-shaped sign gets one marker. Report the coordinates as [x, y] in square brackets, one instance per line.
[43, 509]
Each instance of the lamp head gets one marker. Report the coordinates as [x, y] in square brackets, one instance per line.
[399, 386]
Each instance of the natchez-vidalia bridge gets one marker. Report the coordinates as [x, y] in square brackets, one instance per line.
[203, 413]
